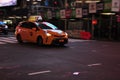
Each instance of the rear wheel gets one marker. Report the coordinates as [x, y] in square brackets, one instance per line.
[39, 41]
[19, 39]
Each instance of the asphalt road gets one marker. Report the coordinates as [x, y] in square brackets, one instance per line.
[77, 60]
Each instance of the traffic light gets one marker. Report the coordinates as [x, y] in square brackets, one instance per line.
[94, 22]
[55, 3]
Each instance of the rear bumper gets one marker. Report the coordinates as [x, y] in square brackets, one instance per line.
[3, 30]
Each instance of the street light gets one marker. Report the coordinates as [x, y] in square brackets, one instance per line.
[87, 1]
[39, 0]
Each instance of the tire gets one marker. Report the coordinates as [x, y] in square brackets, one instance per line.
[6, 33]
[19, 39]
[39, 41]
[61, 44]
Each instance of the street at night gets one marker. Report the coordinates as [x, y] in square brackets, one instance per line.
[77, 60]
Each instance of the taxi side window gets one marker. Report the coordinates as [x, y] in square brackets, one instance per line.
[24, 25]
[31, 25]
[28, 25]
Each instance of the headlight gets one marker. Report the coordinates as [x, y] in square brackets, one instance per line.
[66, 34]
[48, 34]
[6, 26]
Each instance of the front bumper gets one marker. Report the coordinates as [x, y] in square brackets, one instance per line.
[60, 41]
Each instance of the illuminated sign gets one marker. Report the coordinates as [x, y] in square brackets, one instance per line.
[7, 3]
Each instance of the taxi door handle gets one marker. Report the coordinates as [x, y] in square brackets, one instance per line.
[31, 33]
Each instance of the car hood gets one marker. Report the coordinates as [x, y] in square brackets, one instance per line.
[56, 32]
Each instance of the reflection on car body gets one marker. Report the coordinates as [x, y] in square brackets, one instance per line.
[40, 33]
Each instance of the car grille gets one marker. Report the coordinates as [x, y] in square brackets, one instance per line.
[59, 35]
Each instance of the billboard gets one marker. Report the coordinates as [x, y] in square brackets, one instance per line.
[4, 3]
[115, 5]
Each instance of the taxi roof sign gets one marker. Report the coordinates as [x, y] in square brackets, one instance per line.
[34, 18]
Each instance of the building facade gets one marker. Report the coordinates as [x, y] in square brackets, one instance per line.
[97, 17]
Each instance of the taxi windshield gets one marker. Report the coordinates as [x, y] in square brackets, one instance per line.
[46, 25]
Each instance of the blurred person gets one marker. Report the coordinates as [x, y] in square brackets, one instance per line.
[114, 32]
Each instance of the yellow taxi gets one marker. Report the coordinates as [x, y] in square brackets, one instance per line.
[42, 33]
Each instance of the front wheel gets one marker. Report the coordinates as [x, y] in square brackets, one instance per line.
[39, 41]
[61, 44]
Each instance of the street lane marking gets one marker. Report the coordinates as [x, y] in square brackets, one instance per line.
[76, 73]
[78, 40]
[41, 72]
[2, 43]
[5, 40]
[97, 64]
[8, 41]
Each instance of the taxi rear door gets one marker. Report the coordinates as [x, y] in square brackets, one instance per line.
[32, 32]
[24, 31]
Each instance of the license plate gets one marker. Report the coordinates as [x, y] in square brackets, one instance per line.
[61, 40]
